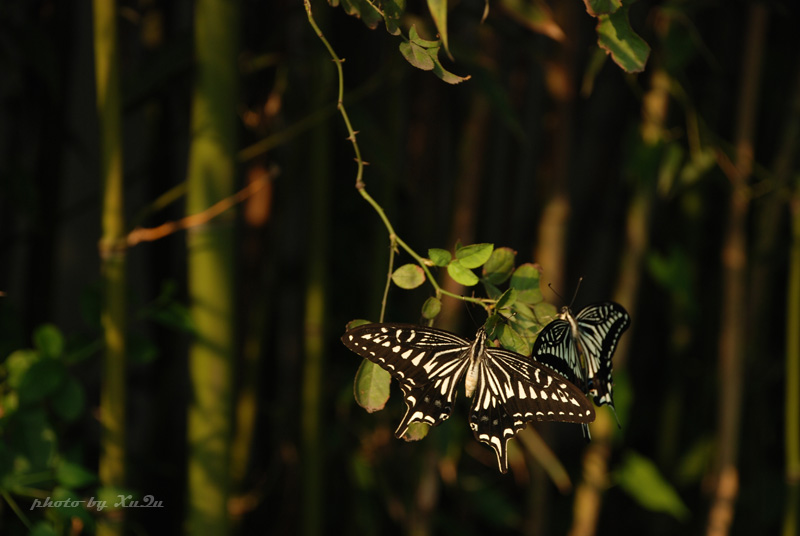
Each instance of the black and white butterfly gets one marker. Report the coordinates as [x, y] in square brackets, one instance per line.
[510, 389]
[580, 347]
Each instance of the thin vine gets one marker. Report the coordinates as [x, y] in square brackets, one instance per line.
[361, 187]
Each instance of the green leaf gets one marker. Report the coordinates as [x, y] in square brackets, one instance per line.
[392, 11]
[364, 10]
[73, 475]
[438, 9]
[40, 380]
[507, 299]
[461, 274]
[602, 7]
[525, 280]
[431, 308]
[474, 256]
[511, 340]
[48, 340]
[416, 56]
[641, 479]
[414, 37]
[545, 312]
[499, 266]
[439, 257]
[69, 400]
[416, 431]
[617, 38]
[371, 386]
[18, 364]
[408, 276]
[535, 15]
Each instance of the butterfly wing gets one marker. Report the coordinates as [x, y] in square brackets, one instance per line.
[512, 391]
[600, 326]
[556, 348]
[426, 362]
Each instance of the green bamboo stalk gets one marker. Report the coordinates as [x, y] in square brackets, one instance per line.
[733, 326]
[791, 519]
[112, 253]
[212, 159]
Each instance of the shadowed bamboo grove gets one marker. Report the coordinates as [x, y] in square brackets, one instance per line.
[197, 197]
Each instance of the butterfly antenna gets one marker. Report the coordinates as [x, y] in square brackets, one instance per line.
[577, 288]
[550, 286]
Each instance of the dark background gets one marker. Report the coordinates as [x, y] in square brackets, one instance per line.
[478, 162]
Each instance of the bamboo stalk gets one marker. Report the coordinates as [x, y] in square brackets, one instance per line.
[112, 258]
[733, 332]
[212, 159]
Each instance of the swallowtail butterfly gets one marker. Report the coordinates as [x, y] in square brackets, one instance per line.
[509, 388]
[580, 348]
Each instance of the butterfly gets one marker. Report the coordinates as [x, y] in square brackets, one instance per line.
[580, 347]
[509, 389]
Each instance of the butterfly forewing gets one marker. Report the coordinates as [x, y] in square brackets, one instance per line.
[509, 389]
[427, 363]
[600, 328]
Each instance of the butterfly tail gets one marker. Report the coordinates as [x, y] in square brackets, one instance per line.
[587, 435]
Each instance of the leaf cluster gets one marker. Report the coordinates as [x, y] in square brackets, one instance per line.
[615, 35]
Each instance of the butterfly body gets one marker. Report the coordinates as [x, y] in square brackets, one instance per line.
[581, 346]
[507, 389]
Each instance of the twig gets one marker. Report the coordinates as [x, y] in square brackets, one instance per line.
[150, 234]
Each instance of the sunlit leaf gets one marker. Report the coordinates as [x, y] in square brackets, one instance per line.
[439, 257]
[361, 9]
[525, 280]
[602, 7]
[438, 9]
[511, 340]
[392, 11]
[499, 266]
[461, 274]
[431, 308]
[18, 364]
[475, 255]
[408, 276]
[416, 56]
[535, 15]
[371, 386]
[616, 36]
[416, 431]
[507, 299]
[641, 479]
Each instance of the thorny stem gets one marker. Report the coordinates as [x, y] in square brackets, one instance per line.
[361, 187]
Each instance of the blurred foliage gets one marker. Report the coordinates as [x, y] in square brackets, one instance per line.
[542, 104]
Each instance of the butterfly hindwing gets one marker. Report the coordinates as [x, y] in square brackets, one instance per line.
[513, 391]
